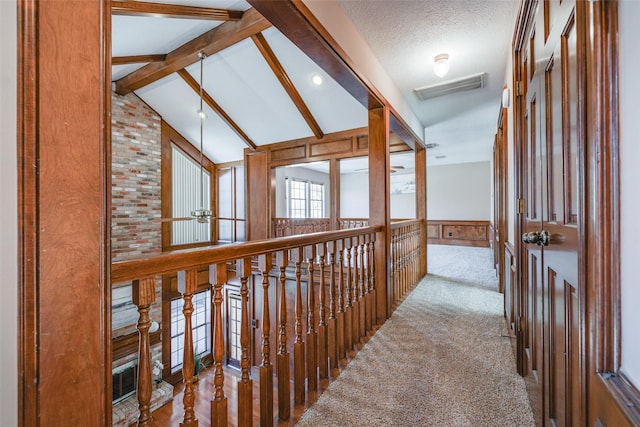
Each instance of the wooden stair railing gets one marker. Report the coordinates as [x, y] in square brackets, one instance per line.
[407, 248]
[337, 271]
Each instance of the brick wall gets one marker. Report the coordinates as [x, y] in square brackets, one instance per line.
[135, 199]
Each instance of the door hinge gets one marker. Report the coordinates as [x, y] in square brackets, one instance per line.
[518, 88]
[520, 206]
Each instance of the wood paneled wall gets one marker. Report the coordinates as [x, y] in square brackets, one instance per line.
[461, 233]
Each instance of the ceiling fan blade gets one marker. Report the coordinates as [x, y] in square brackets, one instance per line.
[187, 218]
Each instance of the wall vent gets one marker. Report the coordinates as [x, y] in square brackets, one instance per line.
[474, 81]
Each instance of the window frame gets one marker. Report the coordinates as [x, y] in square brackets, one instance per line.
[307, 201]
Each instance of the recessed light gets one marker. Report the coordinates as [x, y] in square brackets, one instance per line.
[317, 79]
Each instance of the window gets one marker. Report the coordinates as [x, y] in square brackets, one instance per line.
[230, 195]
[235, 318]
[306, 199]
[185, 197]
[201, 323]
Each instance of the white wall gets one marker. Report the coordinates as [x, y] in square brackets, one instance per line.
[8, 217]
[354, 195]
[301, 173]
[629, 33]
[459, 192]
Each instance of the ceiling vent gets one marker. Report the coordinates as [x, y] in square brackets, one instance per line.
[475, 81]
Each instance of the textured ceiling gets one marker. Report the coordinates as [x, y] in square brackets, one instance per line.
[406, 35]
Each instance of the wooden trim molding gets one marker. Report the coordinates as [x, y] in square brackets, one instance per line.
[141, 8]
[461, 233]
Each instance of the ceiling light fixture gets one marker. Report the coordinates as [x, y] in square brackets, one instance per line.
[317, 79]
[441, 66]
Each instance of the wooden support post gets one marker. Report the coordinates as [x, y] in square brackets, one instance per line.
[144, 294]
[332, 348]
[298, 346]
[282, 359]
[218, 276]
[323, 361]
[379, 206]
[187, 285]
[245, 383]
[266, 368]
[312, 334]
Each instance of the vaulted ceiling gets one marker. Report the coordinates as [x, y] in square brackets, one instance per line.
[258, 87]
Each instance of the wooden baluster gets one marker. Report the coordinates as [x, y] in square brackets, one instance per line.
[341, 336]
[266, 368]
[400, 265]
[393, 265]
[332, 348]
[361, 288]
[323, 361]
[144, 294]
[245, 383]
[355, 294]
[282, 359]
[374, 300]
[312, 335]
[218, 276]
[298, 346]
[396, 282]
[369, 297]
[405, 261]
[348, 311]
[187, 285]
[367, 282]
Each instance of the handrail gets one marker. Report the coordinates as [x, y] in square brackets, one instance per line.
[184, 259]
[405, 222]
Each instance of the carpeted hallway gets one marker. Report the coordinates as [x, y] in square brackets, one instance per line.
[442, 359]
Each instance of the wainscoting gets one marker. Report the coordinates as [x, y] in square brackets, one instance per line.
[460, 233]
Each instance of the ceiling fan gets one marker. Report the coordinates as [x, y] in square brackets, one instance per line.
[201, 214]
[392, 169]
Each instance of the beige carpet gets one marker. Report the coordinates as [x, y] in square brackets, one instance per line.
[442, 359]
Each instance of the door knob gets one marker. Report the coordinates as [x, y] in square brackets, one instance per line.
[540, 238]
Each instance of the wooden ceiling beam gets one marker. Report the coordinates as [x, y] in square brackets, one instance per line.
[162, 10]
[286, 17]
[213, 41]
[137, 59]
[193, 84]
[279, 71]
[298, 24]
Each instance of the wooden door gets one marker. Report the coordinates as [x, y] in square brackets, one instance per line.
[550, 304]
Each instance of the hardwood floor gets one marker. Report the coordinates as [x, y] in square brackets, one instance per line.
[171, 414]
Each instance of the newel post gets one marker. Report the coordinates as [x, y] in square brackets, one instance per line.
[144, 294]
